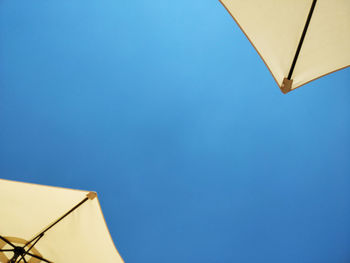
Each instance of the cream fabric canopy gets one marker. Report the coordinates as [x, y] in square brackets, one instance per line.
[30, 218]
[314, 35]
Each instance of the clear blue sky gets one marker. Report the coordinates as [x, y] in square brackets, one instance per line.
[166, 110]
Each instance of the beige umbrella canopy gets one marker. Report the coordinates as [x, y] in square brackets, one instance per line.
[299, 41]
[48, 224]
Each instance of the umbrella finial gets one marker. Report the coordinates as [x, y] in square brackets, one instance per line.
[286, 85]
[91, 195]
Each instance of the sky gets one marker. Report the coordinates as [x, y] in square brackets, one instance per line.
[166, 110]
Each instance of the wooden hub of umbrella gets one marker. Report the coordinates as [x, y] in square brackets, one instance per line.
[17, 250]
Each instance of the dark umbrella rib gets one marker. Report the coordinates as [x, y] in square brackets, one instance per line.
[89, 196]
[6, 241]
[42, 259]
[22, 257]
[302, 39]
[36, 241]
[58, 220]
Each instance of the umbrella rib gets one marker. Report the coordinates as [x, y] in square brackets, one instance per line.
[36, 241]
[6, 250]
[301, 39]
[22, 257]
[8, 242]
[58, 220]
[35, 256]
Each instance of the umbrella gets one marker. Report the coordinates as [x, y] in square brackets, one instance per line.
[50, 224]
[299, 41]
